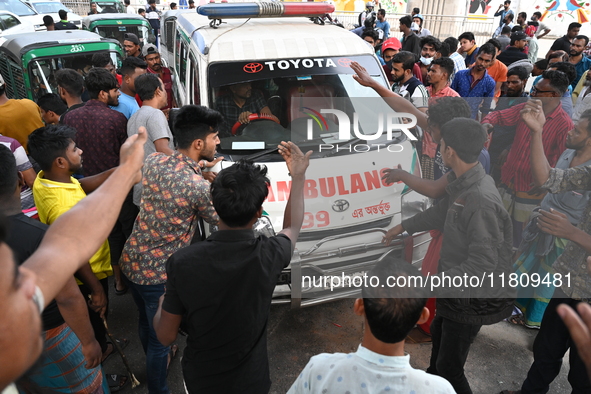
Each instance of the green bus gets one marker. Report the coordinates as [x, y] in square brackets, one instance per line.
[116, 25]
[28, 61]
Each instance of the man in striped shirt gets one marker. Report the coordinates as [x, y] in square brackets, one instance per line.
[516, 175]
[405, 84]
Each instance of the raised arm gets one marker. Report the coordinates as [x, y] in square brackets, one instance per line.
[533, 116]
[427, 187]
[395, 102]
[297, 163]
[77, 234]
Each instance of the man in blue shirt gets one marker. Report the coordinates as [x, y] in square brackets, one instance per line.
[504, 12]
[474, 84]
[576, 57]
[131, 68]
[382, 23]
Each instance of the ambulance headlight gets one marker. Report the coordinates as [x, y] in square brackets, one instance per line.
[413, 203]
[263, 226]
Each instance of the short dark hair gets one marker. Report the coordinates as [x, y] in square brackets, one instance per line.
[507, 2]
[510, 16]
[574, 25]
[139, 11]
[446, 64]
[127, 2]
[151, 1]
[467, 36]
[566, 67]
[63, 14]
[558, 54]
[488, 49]
[496, 43]
[70, 81]
[238, 192]
[523, 15]
[392, 311]
[9, 172]
[172, 5]
[370, 33]
[417, 10]
[146, 86]
[101, 59]
[558, 80]
[466, 137]
[130, 63]
[445, 109]
[194, 122]
[587, 115]
[516, 28]
[406, 20]
[538, 14]
[48, 20]
[521, 72]
[52, 102]
[382, 11]
[541, 64]
[506, 30]
[444, 50]
[50, 142]
[582, 37]
[99, 79]
[453, 43]
[430, 40]
[408, 59]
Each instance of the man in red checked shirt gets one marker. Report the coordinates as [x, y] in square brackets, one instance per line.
[152, 57]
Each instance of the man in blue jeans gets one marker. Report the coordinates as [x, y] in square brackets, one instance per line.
[174, 195]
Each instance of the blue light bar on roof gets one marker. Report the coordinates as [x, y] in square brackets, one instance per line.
[263, 10]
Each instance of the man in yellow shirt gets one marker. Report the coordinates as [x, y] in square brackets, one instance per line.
[19, 117]
[56, 192]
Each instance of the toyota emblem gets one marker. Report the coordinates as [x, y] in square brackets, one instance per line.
[340, 205]
[344, 62]
[252, 68]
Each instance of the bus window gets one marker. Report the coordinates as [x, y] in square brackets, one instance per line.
[195, 81]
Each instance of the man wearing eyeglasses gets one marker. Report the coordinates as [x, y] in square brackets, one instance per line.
[516, 173]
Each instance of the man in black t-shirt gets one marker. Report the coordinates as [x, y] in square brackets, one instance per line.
[64, 24]
[79, 355]
[563, 43]
[224, 285]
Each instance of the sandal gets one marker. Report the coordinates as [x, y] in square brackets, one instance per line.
[517, 320]
[117, 382]
[171, 356]
[122, 345]
[119, 292]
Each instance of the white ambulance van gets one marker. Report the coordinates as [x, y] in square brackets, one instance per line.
[300, 68]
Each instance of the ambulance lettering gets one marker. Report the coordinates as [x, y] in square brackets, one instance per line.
[296, 63]
[330, 186]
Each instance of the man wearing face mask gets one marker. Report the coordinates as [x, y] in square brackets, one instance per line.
[405, 84]
[429, 47]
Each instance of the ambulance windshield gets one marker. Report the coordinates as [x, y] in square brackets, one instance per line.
[266, 102]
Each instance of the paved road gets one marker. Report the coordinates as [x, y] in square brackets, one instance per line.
[500, 356]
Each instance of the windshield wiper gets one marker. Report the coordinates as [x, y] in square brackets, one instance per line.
[258, 155]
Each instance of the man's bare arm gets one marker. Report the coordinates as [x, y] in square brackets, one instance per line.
[75, 313]
[395, 102]
[533, 115]
[91, 183]
[77, 234]
[166, 324]
[297, 163]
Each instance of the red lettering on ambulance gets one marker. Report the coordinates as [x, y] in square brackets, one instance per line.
[341, 186]
[327, 187]
[270, 196]
[283, 189]
[372, 179]
[310, 190]
[357, 185]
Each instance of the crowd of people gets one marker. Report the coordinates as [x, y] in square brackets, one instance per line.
[103, 179]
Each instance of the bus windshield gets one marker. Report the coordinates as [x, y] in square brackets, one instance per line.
[42, 71]
[117, 32]
[289, 98]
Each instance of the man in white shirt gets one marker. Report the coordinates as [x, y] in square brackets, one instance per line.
[379, 364]
[543, 29]
[128, 8]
